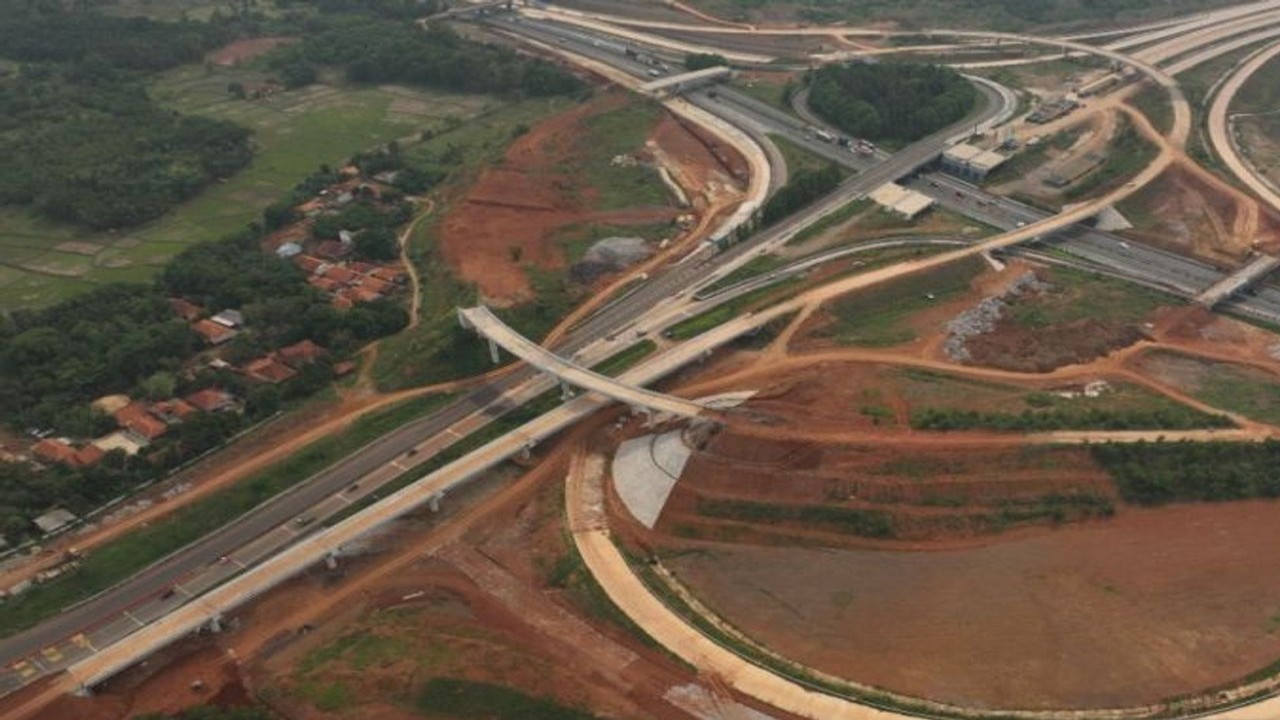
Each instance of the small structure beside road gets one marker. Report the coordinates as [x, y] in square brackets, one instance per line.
[970, 161]
[901, 201]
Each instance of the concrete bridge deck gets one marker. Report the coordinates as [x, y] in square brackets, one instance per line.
[484, 322]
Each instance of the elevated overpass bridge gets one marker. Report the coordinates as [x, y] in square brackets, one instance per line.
[676, 84]
[1239, 281]
[571, 375]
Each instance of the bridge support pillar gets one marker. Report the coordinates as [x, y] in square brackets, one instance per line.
[434, 502]
[526, 452]
[215, 623]
[566, 391]
[331, 561]
[462, 320]
[493, 352]
[640, 410]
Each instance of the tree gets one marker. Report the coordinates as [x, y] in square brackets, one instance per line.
[298, 74]
[158, 386]
[236, 90]
[378, 244]
[702, 61]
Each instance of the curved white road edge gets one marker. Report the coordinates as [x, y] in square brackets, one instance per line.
[1220, 130]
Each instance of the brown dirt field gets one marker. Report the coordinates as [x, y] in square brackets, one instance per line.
[1151, 604]
[934, 497]
[1183, 213]
[507, 219]
[236, 51]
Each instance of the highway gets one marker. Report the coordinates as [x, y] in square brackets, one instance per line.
[159, 589]
[482, 320]
[1221, 131]
[478, 407]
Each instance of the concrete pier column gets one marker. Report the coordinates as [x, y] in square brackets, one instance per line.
[566, 391]
[331, 561]
[493, 352]
[434, 502]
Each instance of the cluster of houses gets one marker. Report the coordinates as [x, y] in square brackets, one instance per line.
[215, 329]
[349, 283]
[328, 263]
[138, 424]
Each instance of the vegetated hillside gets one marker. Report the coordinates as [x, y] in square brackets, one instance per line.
[994, 14]
[894, 102]
[374, 50]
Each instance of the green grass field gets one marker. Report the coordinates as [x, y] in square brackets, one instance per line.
[293, 133]
[1078, 295]
[880, 317]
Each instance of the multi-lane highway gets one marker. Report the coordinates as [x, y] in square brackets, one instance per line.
[1179, 274]
[156, 592]
[161, 588]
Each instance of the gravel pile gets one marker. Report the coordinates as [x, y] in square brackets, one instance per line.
[982, 318]
[610, 255]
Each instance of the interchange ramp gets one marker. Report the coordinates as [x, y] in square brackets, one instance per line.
[482, 320]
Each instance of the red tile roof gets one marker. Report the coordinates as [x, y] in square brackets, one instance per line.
[174, 407]
[338, 273]
[308, 263]
[185, 309]
[332, 249]
[211, 400]
[323, 283]
[388, 274]
[376, 285]
[364, 294]
[136, 418]
[212, 332]
[301, 353]
[268, 369]
[52, 450]
[89, 455]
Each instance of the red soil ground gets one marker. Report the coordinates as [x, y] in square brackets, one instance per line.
[237, 51]
[507, 220]
[1151, 604]
[1191, 217]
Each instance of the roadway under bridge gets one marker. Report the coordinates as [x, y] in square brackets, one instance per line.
[570, 374]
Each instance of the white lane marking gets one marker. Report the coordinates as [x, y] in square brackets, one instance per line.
[136, 620]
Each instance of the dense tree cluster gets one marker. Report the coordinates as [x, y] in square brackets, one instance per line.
[67, 33]
[802, 188]
[702, 61]
[899, 102]
[86, 145]
[1163, 472]
[1066, 419]
[81, 139]
[383, 51]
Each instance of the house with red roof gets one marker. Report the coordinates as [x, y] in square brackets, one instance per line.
[212, 400]
[135, 418]
[53, 450]
[212, 332]
[185, 309]
[301, 353]
[269, 370]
